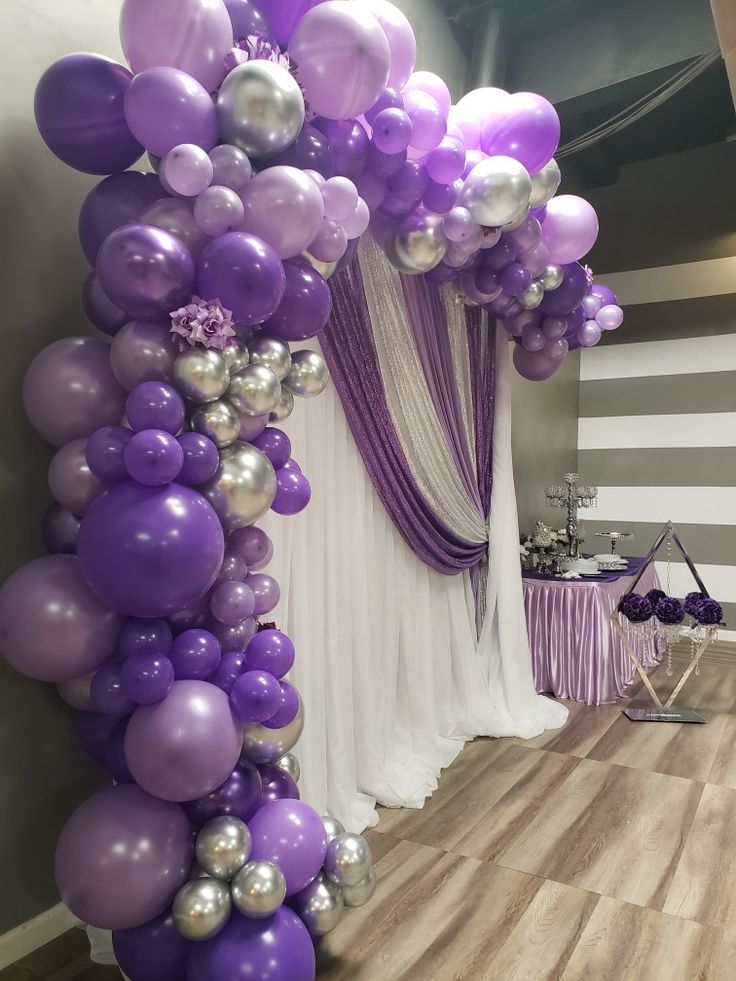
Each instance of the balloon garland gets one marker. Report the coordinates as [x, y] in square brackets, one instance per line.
[277, 131]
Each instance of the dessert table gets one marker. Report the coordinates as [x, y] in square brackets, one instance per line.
[575, 651]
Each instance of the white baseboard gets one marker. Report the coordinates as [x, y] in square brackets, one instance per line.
[29, 936]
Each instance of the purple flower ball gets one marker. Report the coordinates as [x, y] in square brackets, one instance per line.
[692, 603]
[636, 608]
[655, 595]
[709, 612]
[669, 610]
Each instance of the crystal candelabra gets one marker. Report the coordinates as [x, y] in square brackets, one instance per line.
[571, 495]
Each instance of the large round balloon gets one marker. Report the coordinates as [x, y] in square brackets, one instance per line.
[277, 948]
[245, 273]
[52, 627]
[153, 951]
[247, 18]
[185, 746]
[524, 126]
[290, 834]
[340, 40]
[260, 108]
[284, 207]
[192, 35]
[569, 293]
[305, 307]
[143, 350]
[121, 857]
[570, 228]
[401, 41]
[79, 113]
[150, 551]
[166, 107]
[113, 202]
[99, 308]
[69, 390]
[535, 365]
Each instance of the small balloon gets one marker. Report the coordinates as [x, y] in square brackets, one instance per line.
[202, 908]
[348, 858]
[201, 374]
[218, 421]
[272, 354]
[320, 905]
[290, 764]
[362, 892]
[308, 375]
[258, 889]
[244, 486]
[223, 846]
[255, 390]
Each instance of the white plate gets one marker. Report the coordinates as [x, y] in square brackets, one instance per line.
[590, 575]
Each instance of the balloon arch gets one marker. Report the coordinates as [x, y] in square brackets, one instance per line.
[278, 131]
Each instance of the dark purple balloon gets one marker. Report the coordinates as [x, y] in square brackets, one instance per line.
[150, 551]
[147, 677]
[388, 99]
[153, 951]
[442, 273]
[246, 19]
[272, 651]
[252, 544]
[287, 708]
[245, 273]
[500, 255]
[310, 151]
[349, 142]
[439, 198]
[153, 457]
[514, 279]
[232, 569]
[267, 591]
[305, 307]
[193, 615]
[106, 690]
[227, 672]
[232, 602]
[239, 796]
[195, 654]
[201, 459]
[114, 202]
[372, 188]
[93, 730]
[277, 783]
[234, 638]
[59, 530]
[150, 636]
[293, 492]
[79, 109]
[487, 280]
[569, 293]
[256, 696]
[410, 181]
[113, 758]
[100, 309]
[275, 444]
[155, 405]
[382, 164]
[166, 107]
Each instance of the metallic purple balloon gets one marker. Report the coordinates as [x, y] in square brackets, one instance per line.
[143, 350]
[245, 273]
[227, 672]
[277, 783]
[59, 530]
[100, 309]
[290, 834]
[153, 951]
[349, 142]
[155, 405]
[535, 365]
[166, 107]
[104, 453]
[515, 278]
[201, 459]
[149, 636]
[146, 677]
[193, 615]
[252, 544]
[71, 481]
[287, 708]
[79, 113]
[176, 215]
[232, 602]
[293, 492]
[238, 796]
[569, 293]
[69, 390]
[186, 746]
[267, 591]
[150, 551]
[310, 151]
[305, 307]
[115, 201]
[604, 293]
[234, 638]
[589, 334]
[195, 654]
[524, 126]
[52, 627]
[272, 651]
[232, 569]
[153, 457]
[145, 270]
[246, 19]
[255, 696]
[121, 857]
[283, 207]
[275, 444]
[106, 690]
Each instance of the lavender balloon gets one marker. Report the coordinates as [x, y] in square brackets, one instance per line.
[166, 107]
[186, 170]
[535, 365]
[253, 544]
[589, 334]
[524, 126]
[290, 834]
[401, 41]
[609, 317]
[570, 228]
[71, 481]
[144, 350]
[232, 602]
[218, 210]
[231, 167]
[99, 308]
[267, 592]
[284, 207]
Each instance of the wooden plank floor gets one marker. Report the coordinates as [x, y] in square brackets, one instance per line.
[606, 850]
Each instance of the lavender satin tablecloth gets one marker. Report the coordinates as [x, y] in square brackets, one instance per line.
[575, 652]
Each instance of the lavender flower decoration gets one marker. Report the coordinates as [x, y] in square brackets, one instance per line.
[655, 595]
[636, 608]
[692, 603]
[709, 612]
[669, 610]
[203, 322]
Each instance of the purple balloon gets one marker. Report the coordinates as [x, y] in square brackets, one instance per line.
[245, 273]
[288, 706]
[185, 746]
[255, 696]
[252, 544]
[535, 365]
[99, 308]
[267, 592]
[515, 278]
[94, 731]
[106, 691]
[145, 270]
[143, 350]
[193, 35]
[252, 426]
[527, 235]
[193, 615]
[458, 225]
[231, 167]
[145, 636]
[392, 130]
[556, 347]
[554, 327]
[71, 481]
[275, 444]
[114, 202]
[176, 216]
[486, 280]
[429, 122]
[150, 551]
[121, 857]
[227, 672]
[500, 255]
[290, 834]
[246, 19]
[113, 758]
[195, 654]
[569, 293]
[272, 651]
[281, 16]
[201, 459]
[283, 207]
[239, 796]
[293, 492]
[218, 210]
[589, 334]
[382, 164]
[410, 181]
[570, 228]
[440, 198]
[153, 951]
[330, 243]
[234, 638]
[59, 530]
[153, 457]
[446, 162]
[277, 948]
[310, 151]
[277, 783]
[349, 143]
[69, 390]
[104, 453]
[232, 602]
[388, 99]
[79, 113]
[76, 692]
[52, 628]
[532, 338]
[155, 405]
[604, 294]
[232, 569]
[525, 126]
[165, 107]
[305, 307]
[609, 317]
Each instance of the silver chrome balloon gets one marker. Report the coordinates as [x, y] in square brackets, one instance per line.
[255, 390]
[532, 296]
[320, 905]
[242, 490]
[348, 858]
[325, 269]
[219, 420]
[258, 889]
[359, 894]
[290, 764]
[223, 846]
[202, 908]
[260, 108]
[333, 827]
[236, 355]
[308, 375]
[496, 191]
[552, 277]
[201, 374]
[285, 407]
[544, 184]
[264, 745]
[271, 353]
[416, 244]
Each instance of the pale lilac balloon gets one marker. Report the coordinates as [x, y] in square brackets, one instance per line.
[76, 692]
[388, 99]
[358, 221]
[186, 170]
[527, 235]
[234, 638]
[71, 481]
[218, 210]
[59, 530]
[433, 85]
[69, 390]
[99, 308]
[267, 592]
[401, 41]
[468, 126]
[252, 426]
[532, 338]
[536, 259]
[554, 327]
[287, 708]
[144, 350]
[472, 159]
[339, 197]
[429, 123]
[591, 305]
[556, 347]
[232, 602]
[165, 107]
[535, 365]
[231, 166]
[192, 35]
[283, 207]
[253, 545]
[524, 126]
[570, 228]
[479, 102]
[339, 40]
[609, 317]
[446, 162]
[392, 130]
[458, 225]
[330, 243]
[589, 334]
[176, 215]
